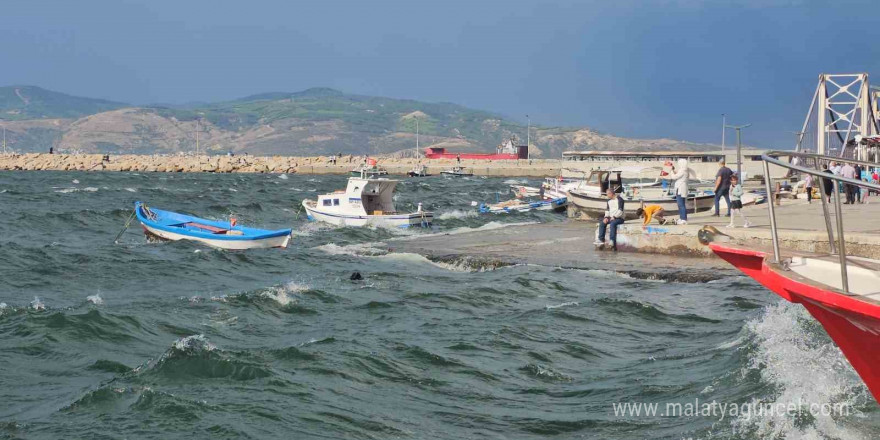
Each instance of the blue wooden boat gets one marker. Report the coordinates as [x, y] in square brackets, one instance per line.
[224, 235]
[517, 205]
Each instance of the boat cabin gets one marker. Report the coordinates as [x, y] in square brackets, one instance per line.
[604, 179]
[361, 197]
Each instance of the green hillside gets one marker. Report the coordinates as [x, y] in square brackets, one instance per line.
[30, 102]
[368, 114]
[316, 121]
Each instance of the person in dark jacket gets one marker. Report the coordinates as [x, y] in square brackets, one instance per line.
[613, 218]
[827, 183]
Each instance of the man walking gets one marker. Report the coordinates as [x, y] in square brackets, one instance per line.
[849, 172]
[722, 187]
[613, 218]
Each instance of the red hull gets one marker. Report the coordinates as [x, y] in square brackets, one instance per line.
[852, 323]
[441, 153]
[477, 156]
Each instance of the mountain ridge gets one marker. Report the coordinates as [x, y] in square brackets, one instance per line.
[317, 120]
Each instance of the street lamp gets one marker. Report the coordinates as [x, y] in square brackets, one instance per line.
[529, 138]
[738, 129]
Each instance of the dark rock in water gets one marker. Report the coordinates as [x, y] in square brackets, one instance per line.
[356, 276]
[468, 263]
[677, 276]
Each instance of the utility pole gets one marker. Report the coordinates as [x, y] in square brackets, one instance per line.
[529, 138]
[198, 129]
[738, 129]
[723, 124]
[417, 137]
[4, 140]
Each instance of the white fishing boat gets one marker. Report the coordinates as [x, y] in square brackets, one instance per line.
[370, 168]
[418, 171]
[457, 172]
[591, 199]
[365, 202]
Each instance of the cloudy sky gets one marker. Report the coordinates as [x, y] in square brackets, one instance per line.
[633, 68]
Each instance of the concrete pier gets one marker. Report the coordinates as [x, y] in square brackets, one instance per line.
[801, 227]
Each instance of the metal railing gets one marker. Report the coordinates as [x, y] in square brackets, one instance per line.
[837, 246]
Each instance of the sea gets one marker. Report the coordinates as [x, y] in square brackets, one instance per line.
[162, 340]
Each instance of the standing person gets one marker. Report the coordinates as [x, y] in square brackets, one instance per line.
[736, 202]
[613, 218]
[827, 183]
[858, 189]
[835, 168]
[808, 184]
[458, 159]
[722, 187]
[849, 172]
[680, 176]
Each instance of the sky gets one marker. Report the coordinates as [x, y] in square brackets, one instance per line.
[648, 69]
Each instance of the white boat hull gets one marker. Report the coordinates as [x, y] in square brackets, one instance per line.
[272, 242]
[415, 219]
[595, 206]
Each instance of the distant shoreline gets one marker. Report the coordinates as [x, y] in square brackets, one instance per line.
[266, 164]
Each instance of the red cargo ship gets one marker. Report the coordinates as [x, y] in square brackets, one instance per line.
[505, 151]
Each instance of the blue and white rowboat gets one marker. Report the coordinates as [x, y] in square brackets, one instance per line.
[173, 226]
[556, 204]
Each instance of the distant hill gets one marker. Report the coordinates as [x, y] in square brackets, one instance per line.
[30, 102]
[313, 121]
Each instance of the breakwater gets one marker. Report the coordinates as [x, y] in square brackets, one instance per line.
[265, 164]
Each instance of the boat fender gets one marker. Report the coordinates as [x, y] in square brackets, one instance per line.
[356, 276]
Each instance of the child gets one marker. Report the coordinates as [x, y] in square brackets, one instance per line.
[651, 212]
[736, 192]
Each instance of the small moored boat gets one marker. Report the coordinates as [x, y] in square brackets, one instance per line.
[418, 171]
[224, 235]
[517, 205]
[457, 172]
[364, 202]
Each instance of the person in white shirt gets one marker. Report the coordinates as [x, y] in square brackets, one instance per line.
[680, 175]
[808, 186]
[614, 217]
[849, 172]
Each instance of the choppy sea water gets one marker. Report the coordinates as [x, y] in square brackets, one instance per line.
[169, 340]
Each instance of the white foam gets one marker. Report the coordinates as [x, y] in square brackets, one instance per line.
[38, 305]
[456, 213]
[283, 176]
[131, 190]
[277, 294]
[90, 189]
[75, 181]
[806, 368]
[194, 343]
[67, 190]
[95, 299]
[515, 182]
[355, 250]
[565, 304]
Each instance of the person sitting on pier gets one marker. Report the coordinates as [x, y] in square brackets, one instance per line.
[651, 212]
[613, 218]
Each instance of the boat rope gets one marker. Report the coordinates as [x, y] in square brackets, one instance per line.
[125, 228]
[296, 217]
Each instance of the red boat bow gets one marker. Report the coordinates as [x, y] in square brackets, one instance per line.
[851, 321]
